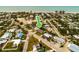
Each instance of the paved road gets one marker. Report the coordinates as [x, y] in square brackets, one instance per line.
[26, 43]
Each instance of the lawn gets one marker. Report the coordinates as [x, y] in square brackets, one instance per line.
[9, 45]
[44, 47]
[19, 49]
[32, 41]
[38, 33]
[23, 37]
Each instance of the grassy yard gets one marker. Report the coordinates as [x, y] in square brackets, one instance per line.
[44, 47]
[1, 32]
[9, 45]
[19, 49]
[38, 33]
[32, 41]
[23, 37]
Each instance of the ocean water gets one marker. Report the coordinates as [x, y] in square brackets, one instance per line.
[39, 8]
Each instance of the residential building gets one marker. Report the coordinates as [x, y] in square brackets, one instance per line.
[73, 47]
[47, 35]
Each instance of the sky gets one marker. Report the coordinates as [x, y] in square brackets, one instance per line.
[39, 2]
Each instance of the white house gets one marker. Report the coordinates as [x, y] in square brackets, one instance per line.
[47, 35]
[12, 30]
[58, 39]
[46, 26]
[2, 40]
[76, 36]
[73, 47]
[16, 42]
[7, 35]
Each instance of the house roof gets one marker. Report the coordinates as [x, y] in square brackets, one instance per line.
[76, 36]
[73, 47]
[47, 35]
[12, 30]
[16, 41]
[6, 35]
[58, 39]
[2, 40]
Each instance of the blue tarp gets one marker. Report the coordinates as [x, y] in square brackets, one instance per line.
[20, 34]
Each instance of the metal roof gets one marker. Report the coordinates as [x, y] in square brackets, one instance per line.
[6, 35]
[59, 40]
[73, 47]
